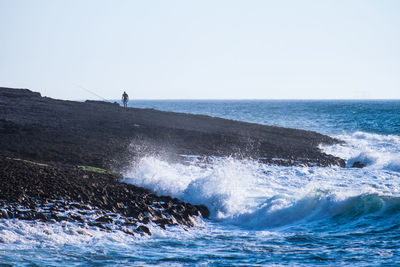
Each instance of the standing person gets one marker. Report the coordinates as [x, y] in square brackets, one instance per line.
[125, 99]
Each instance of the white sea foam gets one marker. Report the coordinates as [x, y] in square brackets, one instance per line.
[213, 185]
[255, 195]
[373, 150]
[34, 233]
[245, 193]
[67, 243]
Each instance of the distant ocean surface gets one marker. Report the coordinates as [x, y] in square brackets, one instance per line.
[327, 116]
[260, 214]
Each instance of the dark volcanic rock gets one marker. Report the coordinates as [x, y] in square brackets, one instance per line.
[143, 229]
[33, 191]
[358, 164]
[64, 134]
[105, 135]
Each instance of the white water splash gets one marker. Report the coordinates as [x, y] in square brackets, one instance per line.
[373, 150]
[255, 195]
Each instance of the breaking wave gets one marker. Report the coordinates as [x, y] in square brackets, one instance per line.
[375, 151]
[258, 196]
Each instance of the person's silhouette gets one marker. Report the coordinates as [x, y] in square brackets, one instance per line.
[125, 99]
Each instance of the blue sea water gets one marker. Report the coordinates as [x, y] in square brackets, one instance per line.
[325, 116]
[260, 214]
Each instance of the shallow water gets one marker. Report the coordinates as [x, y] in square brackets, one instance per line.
[260, 214]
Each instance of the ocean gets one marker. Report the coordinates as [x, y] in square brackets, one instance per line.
[260, 214]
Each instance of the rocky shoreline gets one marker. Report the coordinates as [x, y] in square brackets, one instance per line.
[105, 135]
[43, 142]
[36, 191]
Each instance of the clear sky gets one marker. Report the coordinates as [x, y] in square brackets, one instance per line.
[203, 49]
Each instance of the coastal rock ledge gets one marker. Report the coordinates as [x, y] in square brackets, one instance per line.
[105, 135]
[40, 192]
[59, 160]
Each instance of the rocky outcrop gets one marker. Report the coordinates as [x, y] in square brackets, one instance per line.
[35, 191]
[42, 140]
[106, 135]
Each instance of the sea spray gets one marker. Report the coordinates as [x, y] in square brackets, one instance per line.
[258, 196]
[375, 151]
[215, 184]
[296, 216]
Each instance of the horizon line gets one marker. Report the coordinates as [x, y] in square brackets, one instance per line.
[248, 99]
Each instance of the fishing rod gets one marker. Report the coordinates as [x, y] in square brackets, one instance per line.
[93, 93]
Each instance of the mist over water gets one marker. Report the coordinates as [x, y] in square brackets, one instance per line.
[260, 214]
[257, 196]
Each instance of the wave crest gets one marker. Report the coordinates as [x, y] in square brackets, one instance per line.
[317, 207]
[259, 196]
[374, 151]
